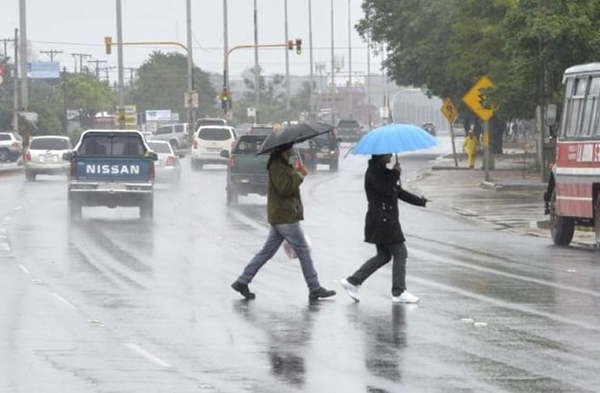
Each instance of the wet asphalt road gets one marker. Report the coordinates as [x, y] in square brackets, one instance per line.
[116, 305]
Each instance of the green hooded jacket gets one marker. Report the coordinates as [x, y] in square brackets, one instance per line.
[284, 205]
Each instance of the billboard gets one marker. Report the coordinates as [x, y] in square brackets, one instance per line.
[43, 70]
[158, 115]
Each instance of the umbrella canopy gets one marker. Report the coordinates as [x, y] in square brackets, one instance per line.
[394, 138]
[293, 134]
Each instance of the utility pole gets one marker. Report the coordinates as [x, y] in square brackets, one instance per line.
[287, 58]
[332, 95]
[385, 87]
[310, 51]
[23, 55]
[369, 80]
[65, 106]
[51, 53]
[190, 65]
[120, 86]
[106, 73]
[351, 103]
[79, 56]
[97, 66]
[225, 39]
[5, 41]
[256, 66]
[132, 71]
[16, 84]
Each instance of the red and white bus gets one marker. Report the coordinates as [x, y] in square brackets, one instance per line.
[574, 190]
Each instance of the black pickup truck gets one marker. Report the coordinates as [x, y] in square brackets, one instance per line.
[246, 172]
[349, 130]
[111, 168]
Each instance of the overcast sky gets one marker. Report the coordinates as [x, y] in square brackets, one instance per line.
[81, 25]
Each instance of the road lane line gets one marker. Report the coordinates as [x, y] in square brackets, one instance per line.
[64, 301]
[427, 256]
[154, 359]
[24, 269]
[505, 304]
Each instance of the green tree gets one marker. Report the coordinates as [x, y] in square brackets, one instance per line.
[162, 83]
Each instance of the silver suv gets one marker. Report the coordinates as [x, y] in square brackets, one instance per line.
[11, 146]
[176, 134]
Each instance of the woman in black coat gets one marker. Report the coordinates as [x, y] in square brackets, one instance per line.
[382, 228]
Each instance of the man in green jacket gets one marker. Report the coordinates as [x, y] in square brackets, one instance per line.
[284, 213]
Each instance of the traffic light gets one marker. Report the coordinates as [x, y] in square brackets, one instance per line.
[290, 44]
[108, 45]
[225, 99]
[298, 46]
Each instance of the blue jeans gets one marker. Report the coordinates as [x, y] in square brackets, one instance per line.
[295, 236]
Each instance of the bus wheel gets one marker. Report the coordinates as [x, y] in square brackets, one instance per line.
[561, 228]
[597, 220]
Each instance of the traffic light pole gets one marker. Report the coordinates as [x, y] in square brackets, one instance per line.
[225, 94]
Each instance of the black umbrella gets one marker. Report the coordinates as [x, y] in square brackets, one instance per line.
[296, 133]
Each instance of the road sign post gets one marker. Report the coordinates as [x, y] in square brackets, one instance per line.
[473, 99]
[449, 111]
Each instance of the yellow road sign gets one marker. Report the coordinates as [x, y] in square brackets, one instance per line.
[449, 110]
[474, 97]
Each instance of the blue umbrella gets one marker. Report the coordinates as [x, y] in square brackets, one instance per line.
[394, 138]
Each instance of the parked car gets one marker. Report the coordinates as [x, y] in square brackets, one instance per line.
[328, 150]
[246, 172]
[349, 130]
[176, 134]
[430, 128]
[209, 142]
[111, 168]
[45, 156]
[210, 121]
[11, 147]
[168, 167]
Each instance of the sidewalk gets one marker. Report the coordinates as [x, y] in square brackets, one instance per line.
[512, 200]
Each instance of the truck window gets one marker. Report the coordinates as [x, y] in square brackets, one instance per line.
[163, 130]
[5, 137]
[112, 145]
[248, 145]
[179, 128]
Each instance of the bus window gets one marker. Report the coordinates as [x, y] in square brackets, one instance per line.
[576, 108]
[590, 118]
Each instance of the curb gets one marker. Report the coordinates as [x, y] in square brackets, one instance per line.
[488, 185]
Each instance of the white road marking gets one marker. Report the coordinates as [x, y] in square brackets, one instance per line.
[64, 301]
[147, 355]
[24, 269]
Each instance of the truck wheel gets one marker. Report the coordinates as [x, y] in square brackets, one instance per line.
[333, 165]
[4, 155]
[174, 144]
[147, 209]
[233, 197]
[74, 209]
[561, 228]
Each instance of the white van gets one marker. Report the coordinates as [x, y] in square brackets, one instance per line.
[209, 142]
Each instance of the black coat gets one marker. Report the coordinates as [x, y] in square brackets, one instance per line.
[383, 189]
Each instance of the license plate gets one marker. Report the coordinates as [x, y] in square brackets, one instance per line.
[112, 186]
[215, 149]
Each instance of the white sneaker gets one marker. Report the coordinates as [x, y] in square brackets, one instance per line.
[405, 297]
[351, 290]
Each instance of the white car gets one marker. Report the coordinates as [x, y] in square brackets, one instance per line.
[209, 142]
[167, 167]
[45, 156]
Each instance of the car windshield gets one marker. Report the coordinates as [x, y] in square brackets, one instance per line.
[214, 134]
[112, 145]
[5, 137]
[249, 145]
[50, 144]
[261, 130]
[348, 123]
[164, 148]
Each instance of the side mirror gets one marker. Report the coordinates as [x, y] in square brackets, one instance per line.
[180, 155]
[339, 140]
[153, 156]
[224, 153]
[68, 156]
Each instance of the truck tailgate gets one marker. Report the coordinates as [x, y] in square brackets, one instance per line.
[113, 169]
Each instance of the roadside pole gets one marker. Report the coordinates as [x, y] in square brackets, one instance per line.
[120, 88]
[190, 68]
[449, 111]
[16, 84]
[453, 144]
[486, 147]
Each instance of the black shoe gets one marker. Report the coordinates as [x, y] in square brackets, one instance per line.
[320, 293]
[243, 289]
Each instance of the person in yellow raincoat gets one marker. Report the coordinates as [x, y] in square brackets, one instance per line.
[470, 148]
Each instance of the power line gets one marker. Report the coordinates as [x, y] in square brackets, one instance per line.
[81, 56]
[97, 66]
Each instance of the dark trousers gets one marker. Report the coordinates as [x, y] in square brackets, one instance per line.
[385, 253]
